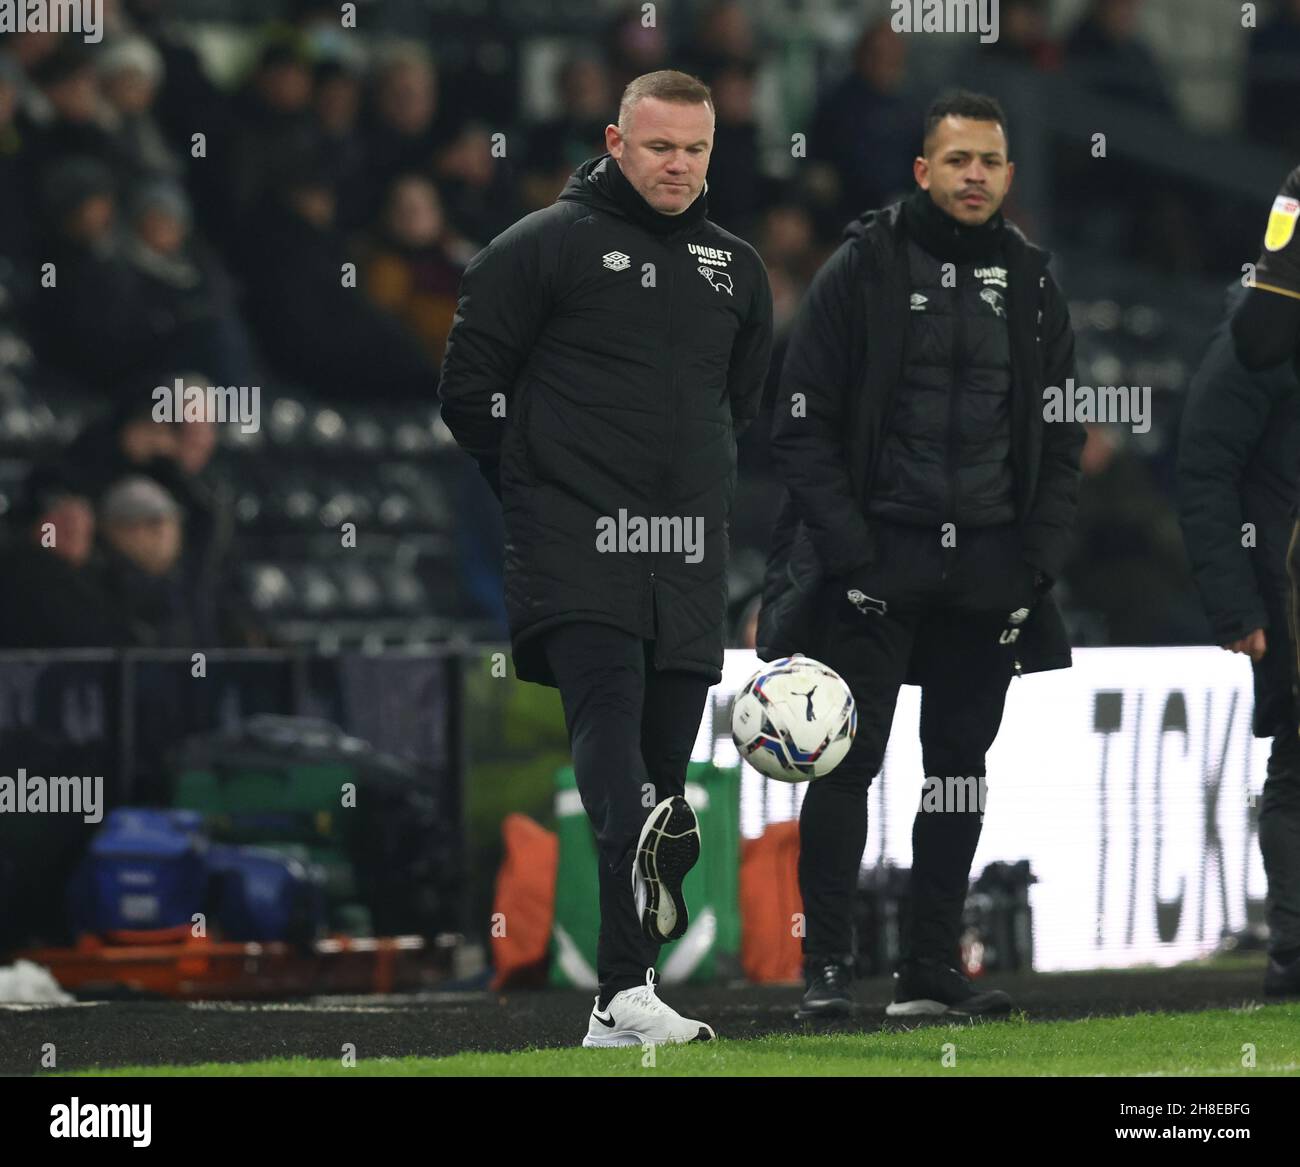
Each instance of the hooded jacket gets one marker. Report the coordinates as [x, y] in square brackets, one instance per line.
[845, 359]
[602, 361]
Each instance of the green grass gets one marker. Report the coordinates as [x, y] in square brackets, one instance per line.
[1176, 1044]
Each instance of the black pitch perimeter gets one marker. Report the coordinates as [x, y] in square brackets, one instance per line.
[435, 1025]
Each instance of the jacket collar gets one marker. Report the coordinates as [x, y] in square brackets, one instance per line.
[600, 182]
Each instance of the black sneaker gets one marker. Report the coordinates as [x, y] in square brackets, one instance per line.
[667, 849]
[1282, 980]
[928, 987]
[828, 994]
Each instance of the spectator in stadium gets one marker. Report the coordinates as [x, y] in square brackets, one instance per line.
[479, 189]
[1237, 482]
[411, 269]
[129, 297]
[48, 596]
[559, 144]
[1273, 79]
[129, 443]
[633, 47]
[1129, 565]
[787, 238]
[77, 124]
[130, 73]
[1023, 37]
[864, 127]
[124, 442]
[929, 512]
[404, 125]
[184, 283]
[274, 117]
[89, 322]
[725, 38]
[1105, 52]
[142, 545]
[337, 101]
[738, 189]
[631, 636]
[312, 325]
[18, 221]
[188, 99]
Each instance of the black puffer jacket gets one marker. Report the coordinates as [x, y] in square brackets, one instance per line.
[602, 360]
[846, 357]
[1236, 465]
[946, 457]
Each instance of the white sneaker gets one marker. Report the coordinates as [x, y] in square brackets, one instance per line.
[638, 1017]
[667, 849]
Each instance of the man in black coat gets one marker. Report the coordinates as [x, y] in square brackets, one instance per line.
[605, 354]
[1265, 332]
[931, 497]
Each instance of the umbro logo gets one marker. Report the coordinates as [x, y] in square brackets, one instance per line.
[616, 261]
[919, 302]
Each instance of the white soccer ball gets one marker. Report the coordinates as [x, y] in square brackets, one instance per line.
[794, 720]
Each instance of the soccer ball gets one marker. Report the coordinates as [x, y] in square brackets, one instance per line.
[794, 720]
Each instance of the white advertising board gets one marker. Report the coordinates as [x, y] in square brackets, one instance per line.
[1130, 782]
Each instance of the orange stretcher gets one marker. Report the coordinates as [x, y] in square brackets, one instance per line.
[199, 967]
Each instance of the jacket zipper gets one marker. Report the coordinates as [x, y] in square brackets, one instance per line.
[954, 416]
[670, 444]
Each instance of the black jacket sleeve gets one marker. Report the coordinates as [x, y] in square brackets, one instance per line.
[751, 352]
[1265, 329]
[1049, 526]
[1226, 414]
[810, 417]
[506, 294]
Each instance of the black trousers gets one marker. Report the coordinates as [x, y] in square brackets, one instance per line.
[631, 730]
[1279, 842]
[948, 607]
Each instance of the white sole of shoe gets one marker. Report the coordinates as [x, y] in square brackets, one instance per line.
[661, 862]
[626, 1039]
[922, 1007]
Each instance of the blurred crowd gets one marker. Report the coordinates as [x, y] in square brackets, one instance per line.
[308, 227]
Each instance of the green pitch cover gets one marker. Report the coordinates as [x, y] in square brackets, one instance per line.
[711, 943]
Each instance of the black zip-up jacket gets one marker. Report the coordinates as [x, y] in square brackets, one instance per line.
[1237, 465]
[602, 361]
[845, 357]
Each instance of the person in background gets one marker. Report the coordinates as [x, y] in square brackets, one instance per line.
[273, 118]
[142, 544]
[1128, 567]
[311, 327]
[337, 103]
[559, 144]
[77, 122]
[1273, 80]
[1237, 484]
[18, 218]
[864, 128]
[48, 596]
[184, 283]
[404, 126]
[130, 74]
[1107, 54]
[413, 267]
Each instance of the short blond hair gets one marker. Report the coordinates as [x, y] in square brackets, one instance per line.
[666, 85]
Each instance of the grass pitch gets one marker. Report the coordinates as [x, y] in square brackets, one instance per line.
[1252, 1040]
